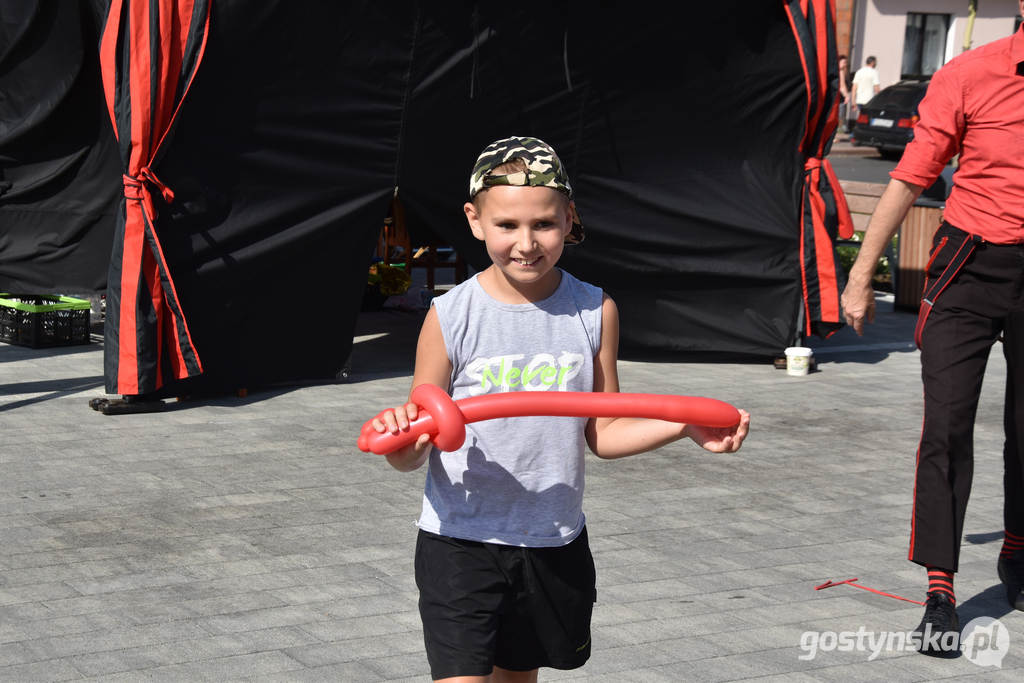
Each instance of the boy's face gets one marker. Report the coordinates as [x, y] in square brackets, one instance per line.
[523, 228]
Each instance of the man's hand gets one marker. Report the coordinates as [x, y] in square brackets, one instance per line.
[858, 302]
[858, 299]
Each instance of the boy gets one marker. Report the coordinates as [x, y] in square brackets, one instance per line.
[505, 573]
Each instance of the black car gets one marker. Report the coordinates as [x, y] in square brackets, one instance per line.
[887, 121]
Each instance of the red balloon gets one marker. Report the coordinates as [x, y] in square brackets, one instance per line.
[445, 420]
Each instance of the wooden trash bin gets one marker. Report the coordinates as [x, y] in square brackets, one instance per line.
[915, 243]
[915, 238]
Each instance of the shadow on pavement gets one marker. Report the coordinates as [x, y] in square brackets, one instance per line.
[891, 332]
[991, 602]
[50, 389]
[10, 353]
[978, 539]
[384, 345]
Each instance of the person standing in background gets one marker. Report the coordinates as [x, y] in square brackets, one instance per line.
[844, 93]
[865, 85]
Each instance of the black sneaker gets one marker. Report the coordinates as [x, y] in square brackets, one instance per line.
[939, 622]
[1011, 573]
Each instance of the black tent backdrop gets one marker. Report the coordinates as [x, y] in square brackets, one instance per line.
[683, 141]
[59, 173]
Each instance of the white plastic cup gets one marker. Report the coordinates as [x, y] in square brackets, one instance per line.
[798, 360]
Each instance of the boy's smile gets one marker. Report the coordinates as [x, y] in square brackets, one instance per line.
[524, 230]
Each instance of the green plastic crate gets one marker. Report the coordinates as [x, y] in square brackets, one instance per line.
[41, 320]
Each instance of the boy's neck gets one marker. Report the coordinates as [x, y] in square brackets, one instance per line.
[501, 289]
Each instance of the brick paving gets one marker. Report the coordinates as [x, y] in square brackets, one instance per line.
[248, 539]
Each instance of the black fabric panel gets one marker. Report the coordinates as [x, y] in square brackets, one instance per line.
[691, 210]
[283, 164]
[681, 140]
[58, 162]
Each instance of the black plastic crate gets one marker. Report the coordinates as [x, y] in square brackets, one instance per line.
[40, 320]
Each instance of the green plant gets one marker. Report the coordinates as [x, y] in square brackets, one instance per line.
[391, 280]
[848, 254]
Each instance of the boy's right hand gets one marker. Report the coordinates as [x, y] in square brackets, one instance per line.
[397, 420]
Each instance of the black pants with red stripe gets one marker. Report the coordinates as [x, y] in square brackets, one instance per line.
[984, 301]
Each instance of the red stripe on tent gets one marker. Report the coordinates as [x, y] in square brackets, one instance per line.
[811, 22]
[828, 286]
[179, 363]
[814, 111]
[826, 58]
[808, 317]
[181, 334]
[131, 271]
[151, 275]
[803, 64]
[191, 76]
[150, 39]
[130, 332]
[188, 8]
[842, 208]
[803, 260]
[822, 108]
[823, 251]
[139, 84]
[170, 48]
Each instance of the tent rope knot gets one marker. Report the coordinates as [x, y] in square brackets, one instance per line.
[140, 188]
[147, 173]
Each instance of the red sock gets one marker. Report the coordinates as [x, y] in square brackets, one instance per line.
[1011, 544]
[941, 580]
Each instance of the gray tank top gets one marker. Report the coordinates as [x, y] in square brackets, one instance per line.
[515, 481]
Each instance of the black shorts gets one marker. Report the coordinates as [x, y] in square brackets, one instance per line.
[485, 604]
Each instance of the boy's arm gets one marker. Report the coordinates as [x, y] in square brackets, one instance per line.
[432, 367]
[617, 437]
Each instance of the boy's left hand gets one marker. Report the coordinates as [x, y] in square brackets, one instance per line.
[721, 439]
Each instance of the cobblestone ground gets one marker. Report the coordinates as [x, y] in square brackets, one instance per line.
[247, 538]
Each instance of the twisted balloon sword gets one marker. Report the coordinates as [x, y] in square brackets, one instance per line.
[445, 420]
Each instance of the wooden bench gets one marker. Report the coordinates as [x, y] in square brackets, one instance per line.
[914, 243]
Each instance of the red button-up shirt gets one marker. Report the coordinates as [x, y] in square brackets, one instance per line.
[975, 105]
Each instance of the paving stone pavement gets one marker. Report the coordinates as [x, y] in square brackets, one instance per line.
[248, 539]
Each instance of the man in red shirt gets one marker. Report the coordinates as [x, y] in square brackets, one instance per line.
[974, 296]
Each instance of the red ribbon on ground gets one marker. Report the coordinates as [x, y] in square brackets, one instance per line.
[852, 582]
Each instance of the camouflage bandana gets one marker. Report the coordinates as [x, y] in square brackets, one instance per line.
[543, 169]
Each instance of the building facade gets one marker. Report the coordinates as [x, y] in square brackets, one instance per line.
[915, 37]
